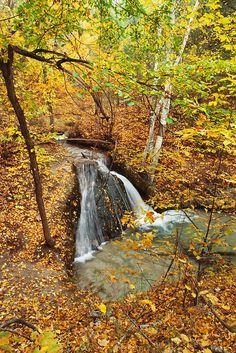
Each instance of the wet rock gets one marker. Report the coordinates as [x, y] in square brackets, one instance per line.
[103, 203]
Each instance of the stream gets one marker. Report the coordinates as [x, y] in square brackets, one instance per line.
[114, 266]
[116, 271]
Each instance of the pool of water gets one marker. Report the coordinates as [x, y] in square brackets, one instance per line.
[124, 266]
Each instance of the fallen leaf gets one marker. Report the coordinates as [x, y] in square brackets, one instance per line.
[103, 342]
[102, 307]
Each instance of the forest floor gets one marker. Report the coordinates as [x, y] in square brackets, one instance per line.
[37, 284]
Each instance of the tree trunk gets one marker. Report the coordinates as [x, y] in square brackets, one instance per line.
[51, 117]
[164, 111]
[7, 71]
[48, 102]
[165, 100]
[150, 140]
[156, 106]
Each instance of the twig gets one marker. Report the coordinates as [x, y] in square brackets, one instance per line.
[18, 321]
[9, 18]
[174, 256]
[130, 328]
[231, 329]
[143, 275]
[140, 330]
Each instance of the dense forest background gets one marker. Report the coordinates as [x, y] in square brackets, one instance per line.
[157, 80]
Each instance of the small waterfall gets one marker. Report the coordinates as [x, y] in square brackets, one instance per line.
[103, 203]
[165, 220]
[135, 199]
[105, 196]
[89, 233]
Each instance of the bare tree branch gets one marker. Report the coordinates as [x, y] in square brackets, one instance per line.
[58, 62]
[18, 321]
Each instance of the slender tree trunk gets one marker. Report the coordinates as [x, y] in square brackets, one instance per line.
[7, 71]
[51, 117]
[166, 97]
[164, 111]
[48, 102]
[153, 115]
[150, 140]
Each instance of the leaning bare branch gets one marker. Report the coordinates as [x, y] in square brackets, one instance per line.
[18, 321]
[58, 62]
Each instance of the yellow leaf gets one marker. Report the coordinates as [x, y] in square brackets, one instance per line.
[131, 286]
[103, 342]
[226, 307]
[151, 331]
[150, 217]
[187, 287]
[212, 298]
[176, 340]
[113, 278]
[205, 342]
[148, 302]
[102, 307]
[184, 338]
[186, 350]
[203, 292]
[4, 341]
[115, 349]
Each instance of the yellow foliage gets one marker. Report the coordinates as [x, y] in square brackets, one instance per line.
[150, 303]
[102, 307]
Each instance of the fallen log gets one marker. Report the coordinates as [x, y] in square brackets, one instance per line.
[101, 144]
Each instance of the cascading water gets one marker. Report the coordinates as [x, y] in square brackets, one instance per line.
[89, 233]
[135, 199]
[103, 203]
[140, 208]
[105, 196]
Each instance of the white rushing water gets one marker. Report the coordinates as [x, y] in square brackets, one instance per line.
[164, 220]
[89, 234]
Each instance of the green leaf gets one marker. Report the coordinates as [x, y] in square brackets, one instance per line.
[95, 88]
[120, 94]
[170, 120]
[130, 103]
[75, 74]
[110, 85]
[36, 350]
